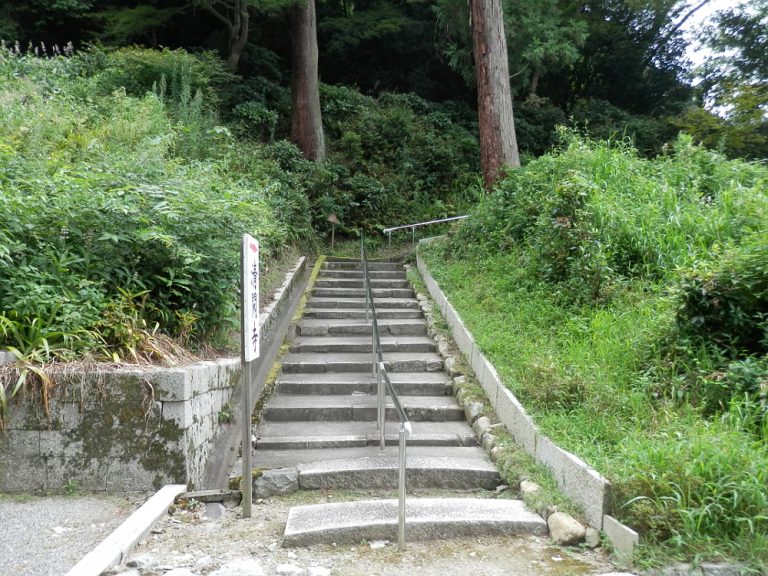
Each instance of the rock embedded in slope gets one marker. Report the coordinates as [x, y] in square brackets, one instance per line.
[528, 488]
[276, 482]
[481, 426]
[473, 410]
[565, 530]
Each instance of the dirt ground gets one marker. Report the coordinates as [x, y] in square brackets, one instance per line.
[189, 539]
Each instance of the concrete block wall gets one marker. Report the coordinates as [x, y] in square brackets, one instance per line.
[582, 484]
[128, 428]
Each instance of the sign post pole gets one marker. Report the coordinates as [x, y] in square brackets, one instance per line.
[250, 340]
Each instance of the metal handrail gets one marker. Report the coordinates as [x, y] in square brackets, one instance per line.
[388, 231]
[384, 385]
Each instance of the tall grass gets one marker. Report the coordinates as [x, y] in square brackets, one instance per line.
[121, 208]
[572, 277]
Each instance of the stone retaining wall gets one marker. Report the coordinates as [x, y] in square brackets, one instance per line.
[582, 484]
[128, 428]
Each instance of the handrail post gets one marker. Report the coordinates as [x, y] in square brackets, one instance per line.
[401, 488]
[375, 344]
[389, 245]
[367, 288]
[382, 409]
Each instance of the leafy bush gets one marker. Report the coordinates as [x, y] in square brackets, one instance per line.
[392, 159]
[725, 301]
[121, 213]
[536, 121]
[602, 120]
[595, 214]
[138, 71]
[623, 301]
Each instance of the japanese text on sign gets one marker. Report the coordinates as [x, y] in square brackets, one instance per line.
[250, 291]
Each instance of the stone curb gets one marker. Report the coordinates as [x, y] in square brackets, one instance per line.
[228, 441]
[115, 547]
[582, 484]
[273, 311]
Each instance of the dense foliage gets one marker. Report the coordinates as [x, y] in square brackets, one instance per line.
[128, 175]
[625, 302]
[391, 159]
[616, 68]
[119, 205]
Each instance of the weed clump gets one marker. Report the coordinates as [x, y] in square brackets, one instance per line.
[121, 201]
[623, 300]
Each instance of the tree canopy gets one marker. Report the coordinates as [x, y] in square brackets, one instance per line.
[612, 67]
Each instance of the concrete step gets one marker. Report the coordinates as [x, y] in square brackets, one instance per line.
[377, 274]
[356, 265]
[360, 313]
[352, 326]
[380, 472]
[268, 459]
[298, 435]
[425, 519]
[358, 283]
[360, 408]
[361, 362]
[366, 467]
[347, 303]
[360, 293]
[334, 344]
[417, 383]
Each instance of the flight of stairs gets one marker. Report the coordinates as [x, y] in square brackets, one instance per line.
[323, 417]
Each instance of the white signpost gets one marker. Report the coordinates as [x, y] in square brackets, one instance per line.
[250, 348]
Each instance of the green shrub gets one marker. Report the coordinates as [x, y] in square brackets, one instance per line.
[623, 301]
[127, 207]
[725, 301]
[535, 125]
[602, 120]
[139, 70]
[595, 215]
[393, 159]
[255, 119]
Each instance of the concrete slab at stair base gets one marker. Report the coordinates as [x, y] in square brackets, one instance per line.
[378, 473]
[426, 518]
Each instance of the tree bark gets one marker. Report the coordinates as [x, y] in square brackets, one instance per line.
[534, 83]
[238, 35]
[498, 144]
[306, 120]
[237, 28]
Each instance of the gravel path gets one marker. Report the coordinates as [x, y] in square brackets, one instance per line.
[46, 536]
[190, 544]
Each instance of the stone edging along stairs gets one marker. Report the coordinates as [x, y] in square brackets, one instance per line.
[319, 429]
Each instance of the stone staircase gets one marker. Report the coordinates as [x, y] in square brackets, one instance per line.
[322, 420]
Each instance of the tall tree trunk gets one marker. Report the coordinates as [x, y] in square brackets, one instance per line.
[237, 28]
[534, 83]
[238, 35]
[498, 144]
[306, 121]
